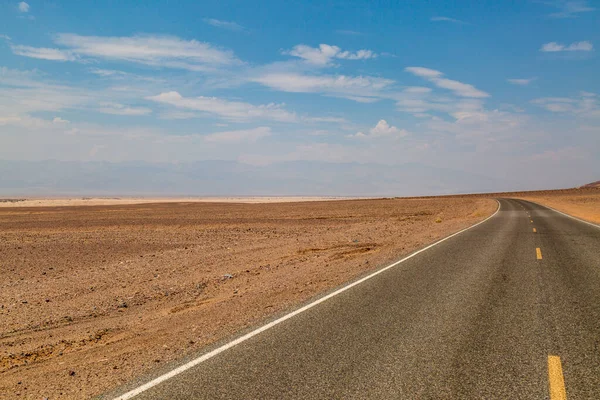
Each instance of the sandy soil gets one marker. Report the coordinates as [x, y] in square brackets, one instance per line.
[581, 203]
[93, 296]
[106, 201]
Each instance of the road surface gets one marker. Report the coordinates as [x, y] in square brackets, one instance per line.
[509, 309]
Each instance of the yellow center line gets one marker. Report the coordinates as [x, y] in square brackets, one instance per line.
[556, 379]
[534, 230]
[538, 253]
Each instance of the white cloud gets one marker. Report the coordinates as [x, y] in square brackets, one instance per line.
[161, 51]
[447, 19]
[59, 120]
[324, 54]
[36, 97]
[230, 25]
[177, 114]
[570, 8]
[417, 89]
[121, 75]
[576, 46]
[120, 109]
[44, 53]
[459, 88]
[520, 81]
[23, 7]
[358, 88]
[233, 110]
[586, 105]
[358, 99]
[5, 37]
[424, 72]
[382, 129]
[335, 120]
[451, 106]
[419, 101]
[248, 135]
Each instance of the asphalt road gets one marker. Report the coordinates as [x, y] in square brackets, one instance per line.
[478, 316]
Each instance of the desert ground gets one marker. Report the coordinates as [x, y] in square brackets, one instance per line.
[93, 296]
[106, 201]
[580, 203]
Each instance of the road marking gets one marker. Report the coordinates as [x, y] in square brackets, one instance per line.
[531, 221]
[201, 359]
[556, 379]
[534, 231]
[565, 214]
[538, 253]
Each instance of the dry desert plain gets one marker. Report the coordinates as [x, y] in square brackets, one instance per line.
[93, 296]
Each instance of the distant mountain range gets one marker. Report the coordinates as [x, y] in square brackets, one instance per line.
[230, 178]
[592, 185]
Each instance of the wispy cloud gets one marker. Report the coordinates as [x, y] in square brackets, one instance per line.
[520, 81]
[121, 75]
[586, 104]
[120, 109]
[232, 110]
[447, 19]
[59, 120]
[459, 88]
[161, 51]
[44, 53]
[241, 136]
[229, 25]
[358, 88]
[381, 130]
[324, 54]
[23, 7]
[576, 46]
[424, 72]
[569, 8]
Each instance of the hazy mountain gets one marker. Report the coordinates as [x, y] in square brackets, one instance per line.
[592, 185]
[229, 178]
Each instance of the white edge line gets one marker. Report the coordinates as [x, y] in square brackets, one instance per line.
[263, 328]
[565, 214]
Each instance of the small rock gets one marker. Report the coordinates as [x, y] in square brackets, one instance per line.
[122, 304]
[71, 373]
[227, 276]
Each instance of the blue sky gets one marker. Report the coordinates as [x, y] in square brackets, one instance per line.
[508, 90]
